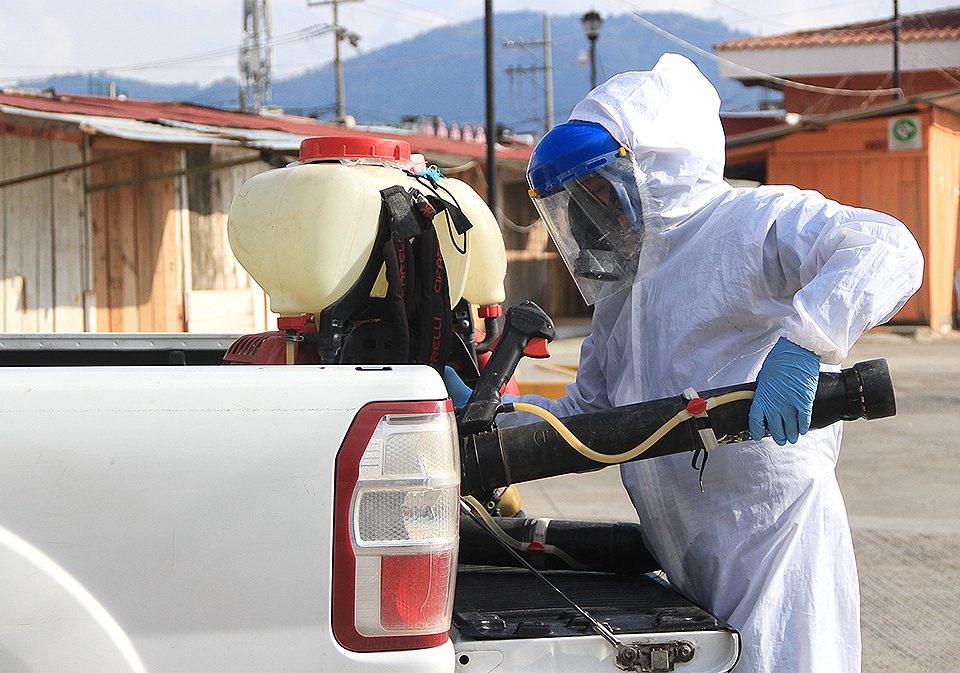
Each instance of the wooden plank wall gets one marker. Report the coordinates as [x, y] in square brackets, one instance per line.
[943, 260]
[42, 243]
[136, 242]
[222, 295]
[850, 163]
[210, 195]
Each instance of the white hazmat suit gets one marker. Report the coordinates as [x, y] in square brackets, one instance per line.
[767, 546]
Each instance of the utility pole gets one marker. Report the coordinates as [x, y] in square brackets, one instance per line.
[546, 68]
[255, 56]
[547, 73]
[896, 47]
[491, 111]
[339, 34]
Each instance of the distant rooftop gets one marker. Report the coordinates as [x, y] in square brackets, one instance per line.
[165, 121]
[925, 26]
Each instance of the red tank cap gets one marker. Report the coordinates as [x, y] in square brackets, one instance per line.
[696, 406]
[353, 147]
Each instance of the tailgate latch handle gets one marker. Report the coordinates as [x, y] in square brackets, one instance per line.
[653, 657]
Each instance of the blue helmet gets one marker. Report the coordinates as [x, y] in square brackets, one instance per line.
[570, 151]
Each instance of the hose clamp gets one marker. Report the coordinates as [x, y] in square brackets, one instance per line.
[697, 407]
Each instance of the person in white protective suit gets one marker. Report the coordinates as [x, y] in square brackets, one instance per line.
[700, 284]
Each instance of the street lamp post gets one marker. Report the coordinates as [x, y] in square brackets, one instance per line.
[591, 25]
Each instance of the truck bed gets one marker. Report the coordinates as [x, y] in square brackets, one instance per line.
[511, 612]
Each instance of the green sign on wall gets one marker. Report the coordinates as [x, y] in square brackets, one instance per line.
[904, 133]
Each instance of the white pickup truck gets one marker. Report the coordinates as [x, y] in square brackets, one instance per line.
[245, 518]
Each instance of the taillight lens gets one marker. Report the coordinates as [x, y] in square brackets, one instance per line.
[395, 533]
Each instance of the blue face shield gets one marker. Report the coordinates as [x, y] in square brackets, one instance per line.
[596, 220]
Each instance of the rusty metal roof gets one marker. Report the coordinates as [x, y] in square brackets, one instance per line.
[938, 25]
[946, 100]
[163, 121]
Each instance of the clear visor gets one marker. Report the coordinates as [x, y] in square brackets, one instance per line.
[597, 223]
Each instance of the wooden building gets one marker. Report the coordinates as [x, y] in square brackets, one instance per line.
[113, 212]
[902, 158]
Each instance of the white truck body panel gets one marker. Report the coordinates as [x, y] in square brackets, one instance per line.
[194, 505]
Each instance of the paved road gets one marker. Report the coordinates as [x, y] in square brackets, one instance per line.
[901, 482]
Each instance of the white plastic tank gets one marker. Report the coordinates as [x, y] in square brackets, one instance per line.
[306, 231]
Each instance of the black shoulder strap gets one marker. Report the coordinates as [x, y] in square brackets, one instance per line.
[431, 342]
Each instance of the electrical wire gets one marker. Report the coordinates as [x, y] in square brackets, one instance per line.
[443, 19]
[759, 74]
[794, 27]
[352, 65]
[278, 41]
[631, 454]
[943, 72]
[191, 59]
[422, 10]
[810, 9]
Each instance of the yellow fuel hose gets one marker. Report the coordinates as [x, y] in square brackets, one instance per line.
[509, 540]
[616, 458]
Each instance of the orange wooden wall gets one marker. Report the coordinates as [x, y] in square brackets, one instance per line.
[944, 191]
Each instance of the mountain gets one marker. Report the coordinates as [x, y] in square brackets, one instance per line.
[440, 72]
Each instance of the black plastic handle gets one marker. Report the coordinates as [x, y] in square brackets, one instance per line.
[524, 322]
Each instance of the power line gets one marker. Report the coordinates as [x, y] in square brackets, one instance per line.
[442, 19]
[834, 91]
[810, 9]
[188, 59]
[934, 63]
[353, 65]
[280, 40]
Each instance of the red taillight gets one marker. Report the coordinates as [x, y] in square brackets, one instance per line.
[395, 528]
[413, 589]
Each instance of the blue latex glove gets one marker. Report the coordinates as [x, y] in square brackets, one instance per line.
[786, 386]
[458, 390]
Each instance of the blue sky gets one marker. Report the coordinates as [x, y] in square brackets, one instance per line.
[127, 37]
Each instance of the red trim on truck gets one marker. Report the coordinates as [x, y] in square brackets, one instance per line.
[344, 560]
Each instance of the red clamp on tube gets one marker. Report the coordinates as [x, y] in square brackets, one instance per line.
[697, 406]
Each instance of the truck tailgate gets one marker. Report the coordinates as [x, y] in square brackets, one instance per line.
[509, 619]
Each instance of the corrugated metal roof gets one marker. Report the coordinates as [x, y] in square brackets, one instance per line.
[948, 100]
[130, 129]
[161, 121]
[926, 26]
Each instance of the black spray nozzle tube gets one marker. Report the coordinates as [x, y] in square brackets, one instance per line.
[599, 546]
[534, 451]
